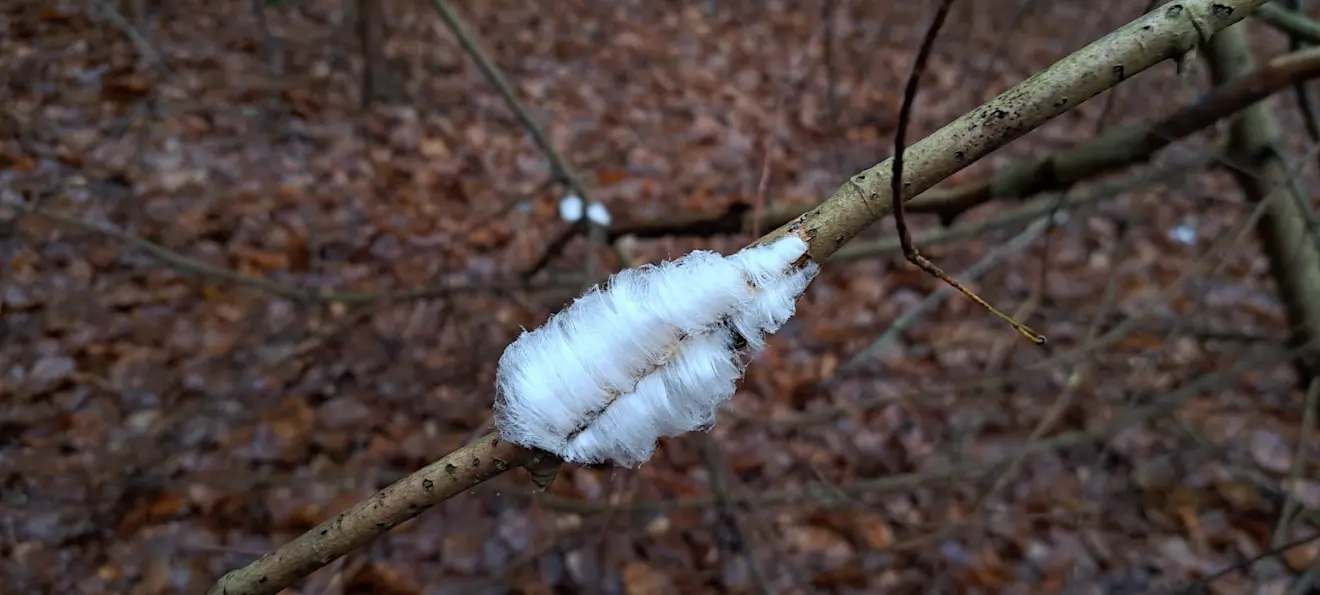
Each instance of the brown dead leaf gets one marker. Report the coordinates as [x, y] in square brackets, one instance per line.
[643, 579]
[166, 506]
[875, 532]
[125, 87]
[820, 542]
[1302, 557]
[1240, 495]
[385, 578]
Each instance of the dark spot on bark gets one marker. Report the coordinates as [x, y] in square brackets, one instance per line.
[263, 580]
[1061, 102]
[380, 526]
[960, 156]
[1118, 72]
[999, 114]
[501, 465]
[494, 442]
[861, 177]
[324, 531]
[428, 486]
[476, 462]
[1174, 11]
[1220, 11]
[1146, 27]
[838, 239]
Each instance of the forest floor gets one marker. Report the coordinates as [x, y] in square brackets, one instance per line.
[196, 367]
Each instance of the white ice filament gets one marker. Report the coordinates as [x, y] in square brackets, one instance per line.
[652, 354]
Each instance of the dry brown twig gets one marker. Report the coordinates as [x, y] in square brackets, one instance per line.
[910, 251]
[1168, 32]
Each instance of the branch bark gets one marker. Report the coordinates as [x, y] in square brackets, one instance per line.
[1287, 229]
[371, 518]
[1170, 31]
[1121, 147]
[1295, 24]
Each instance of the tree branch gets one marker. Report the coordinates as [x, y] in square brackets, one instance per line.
[191, 266]
[1288, 228]
[1168, 32]
[1291, 22]
[459, 471]
[558, 165]
[1109, 152]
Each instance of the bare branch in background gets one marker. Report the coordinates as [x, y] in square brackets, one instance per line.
[1121, 147]
[188, 265]
[558, 165]
[1288, 229]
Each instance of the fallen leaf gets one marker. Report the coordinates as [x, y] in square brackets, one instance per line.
[643, 579]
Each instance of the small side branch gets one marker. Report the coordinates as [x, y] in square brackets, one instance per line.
[910, 251]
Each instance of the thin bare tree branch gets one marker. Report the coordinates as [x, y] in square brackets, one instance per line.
[191, 266]
[371, 518]
[1293, 23]
[1109, 152]
[1167, 32]
[558, 165]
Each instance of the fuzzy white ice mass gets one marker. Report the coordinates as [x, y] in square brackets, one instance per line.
[653, 353]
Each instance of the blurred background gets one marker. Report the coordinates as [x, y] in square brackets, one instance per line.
[261, 257]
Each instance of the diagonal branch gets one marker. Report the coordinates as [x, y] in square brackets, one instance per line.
[1293, 23]
[373, 517]
[1167, 32]
[1118, 148]
[558, 165]
[192, 266]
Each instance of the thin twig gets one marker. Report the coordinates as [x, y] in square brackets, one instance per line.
[896, 189]
[1199, 585]
[140, 41]
[981, 267]
[736, 541]
[189, 265]
[1290, 504]
[558, 165]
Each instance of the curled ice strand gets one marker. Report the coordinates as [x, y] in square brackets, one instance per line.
[653, 353]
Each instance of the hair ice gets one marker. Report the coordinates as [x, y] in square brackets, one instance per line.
[653, 353]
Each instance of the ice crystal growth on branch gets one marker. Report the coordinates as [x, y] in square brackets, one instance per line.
[653, 353]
